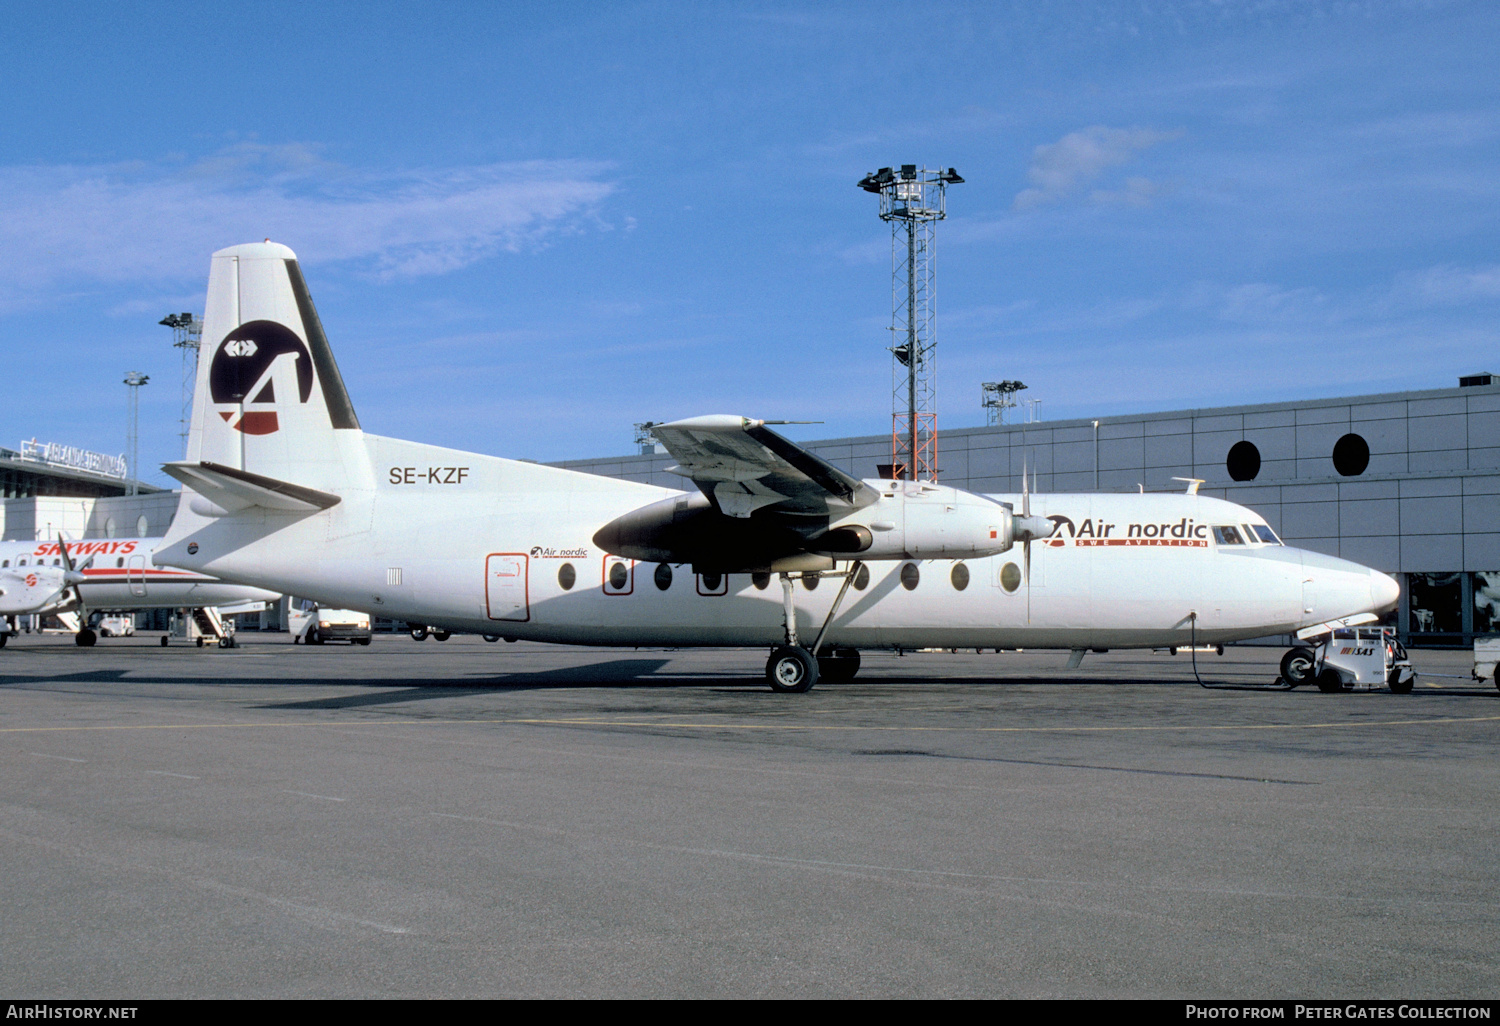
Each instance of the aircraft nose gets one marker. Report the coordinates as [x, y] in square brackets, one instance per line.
[1385, 592]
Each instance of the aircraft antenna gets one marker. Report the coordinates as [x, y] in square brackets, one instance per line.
[913, 200]
[187, 335]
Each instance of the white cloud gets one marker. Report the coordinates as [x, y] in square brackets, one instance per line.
[1448, 284]
[68, 227]
[1263, 303]
[1061, 169]
[1138, 192]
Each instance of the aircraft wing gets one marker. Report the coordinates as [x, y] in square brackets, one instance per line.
[741, 466]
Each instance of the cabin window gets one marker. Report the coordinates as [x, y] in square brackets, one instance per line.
[619, 577]
[120, 561]
[910, 576]
[567, 576]
[20, 562]
[711, 581]
[761, 580]
[810, 581]
[663, 576]
[862, 578]
[959, 576]
[1267, 535]
[1010, 577]
[1228, 535]
[4, 562]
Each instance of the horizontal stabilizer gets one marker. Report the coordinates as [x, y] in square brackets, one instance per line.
[230, 489]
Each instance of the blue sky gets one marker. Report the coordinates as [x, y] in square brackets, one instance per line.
[528, 226]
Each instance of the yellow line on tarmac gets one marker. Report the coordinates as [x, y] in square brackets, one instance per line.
[671, 724]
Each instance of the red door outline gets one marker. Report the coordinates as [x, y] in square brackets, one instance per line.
[523, 562]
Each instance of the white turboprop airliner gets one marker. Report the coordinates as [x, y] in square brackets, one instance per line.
[117, 574]
[775, 547]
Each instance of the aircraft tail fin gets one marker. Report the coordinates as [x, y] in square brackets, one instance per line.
[269, 398]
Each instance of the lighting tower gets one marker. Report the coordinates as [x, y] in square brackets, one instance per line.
[996, 397]
[913, 200]
[135, 379]
[187, 335]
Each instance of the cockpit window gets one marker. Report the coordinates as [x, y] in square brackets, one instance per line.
[1267, 535]
[1228, 535]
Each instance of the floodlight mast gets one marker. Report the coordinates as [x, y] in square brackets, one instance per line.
[996, 397]
[187, 335]
[912, 201]
[134, 379]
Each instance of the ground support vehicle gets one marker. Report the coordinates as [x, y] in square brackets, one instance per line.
[1486, 655]
[202, 626]
[121, 625]
[313, 624]
[1350, 659]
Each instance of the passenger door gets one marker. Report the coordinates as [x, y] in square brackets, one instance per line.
[506, 586]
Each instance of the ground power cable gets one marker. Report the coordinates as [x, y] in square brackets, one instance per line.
[1286, 685]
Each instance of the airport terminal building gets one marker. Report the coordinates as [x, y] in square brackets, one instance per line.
[1408, 482]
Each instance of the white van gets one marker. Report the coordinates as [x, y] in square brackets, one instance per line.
[313, 624]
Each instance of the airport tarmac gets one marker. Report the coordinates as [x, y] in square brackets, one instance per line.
[464, 819]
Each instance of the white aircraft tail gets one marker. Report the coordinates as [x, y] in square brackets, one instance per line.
[269, 399]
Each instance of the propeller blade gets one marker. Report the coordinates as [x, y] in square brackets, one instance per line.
[1026, 551]
[73, 577]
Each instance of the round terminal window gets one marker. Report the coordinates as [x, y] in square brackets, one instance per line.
[1351, 455]
[1010, 577]
[1243, 461]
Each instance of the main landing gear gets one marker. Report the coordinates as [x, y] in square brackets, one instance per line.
[793, 669]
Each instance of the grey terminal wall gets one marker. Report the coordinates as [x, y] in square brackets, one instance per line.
[1424, 504]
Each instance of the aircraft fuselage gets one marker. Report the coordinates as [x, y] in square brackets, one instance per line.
[493, 546]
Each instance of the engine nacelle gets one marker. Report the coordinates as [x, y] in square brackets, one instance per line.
[31, 589]
[927, 521]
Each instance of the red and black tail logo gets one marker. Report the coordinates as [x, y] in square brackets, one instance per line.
[243, 375]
